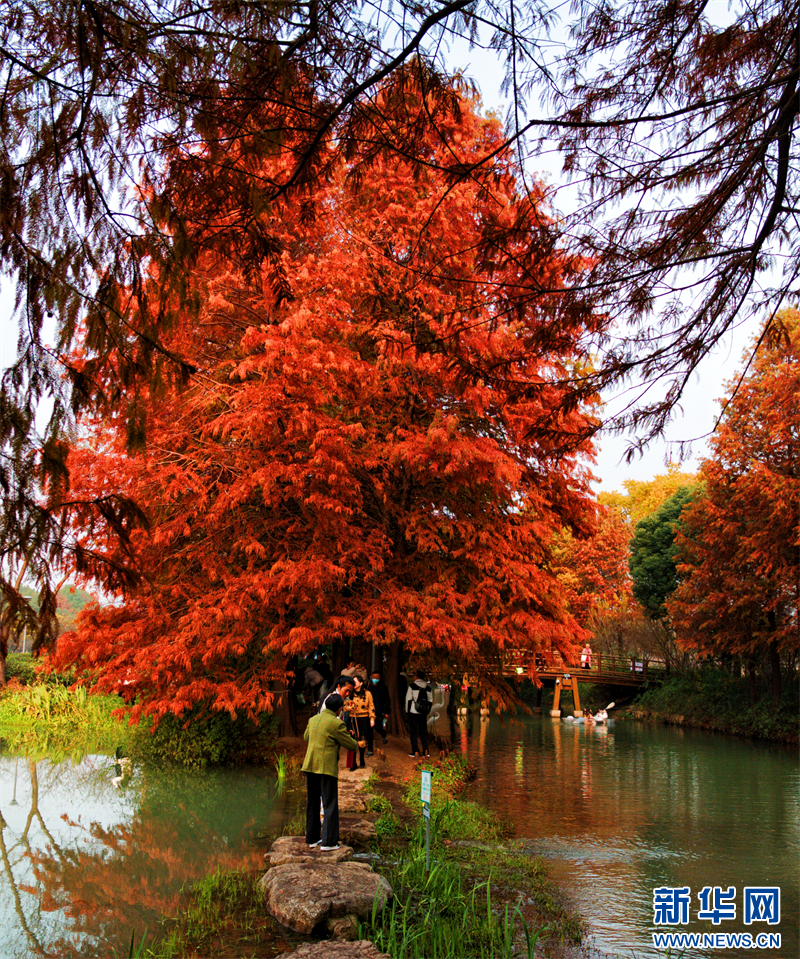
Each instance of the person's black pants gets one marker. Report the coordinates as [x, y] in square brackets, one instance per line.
[418, 730]
[319, 786]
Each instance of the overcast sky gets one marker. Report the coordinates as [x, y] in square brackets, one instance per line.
[691, 423]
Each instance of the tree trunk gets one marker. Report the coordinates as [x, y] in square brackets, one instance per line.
[362, 654]
[287, 709]
[5, 632]
[775, 671]
[751, 681]
[338, 656]
[286, 712]
[397, 688]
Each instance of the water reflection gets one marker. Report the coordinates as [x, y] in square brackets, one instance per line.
[86, 862]
[626, 809]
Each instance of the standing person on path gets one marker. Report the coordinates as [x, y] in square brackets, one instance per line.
[312, 682]
[324, 670]
[383, 705]
[361, 710]
[324, 734]
[417, 719]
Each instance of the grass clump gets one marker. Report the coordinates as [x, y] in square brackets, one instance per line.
[471, 903]
[225, 917]
[453, 819]
[199, 739]
[481, 897]
[54, 720]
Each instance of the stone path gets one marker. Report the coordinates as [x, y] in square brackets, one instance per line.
[326, 893]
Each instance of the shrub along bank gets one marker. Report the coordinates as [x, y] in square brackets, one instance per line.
[712, 699]
[40, 704]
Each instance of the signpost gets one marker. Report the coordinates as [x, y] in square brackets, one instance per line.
[425, 796]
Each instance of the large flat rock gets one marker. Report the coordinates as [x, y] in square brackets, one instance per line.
[351, 798]
[288, 849]
[357, 832]
[363, 949]
[303, 895]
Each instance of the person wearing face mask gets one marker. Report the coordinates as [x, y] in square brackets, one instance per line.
[383, 706]
[361, 710]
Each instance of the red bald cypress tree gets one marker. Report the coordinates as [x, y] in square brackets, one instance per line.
[738, 543]
[375, 445]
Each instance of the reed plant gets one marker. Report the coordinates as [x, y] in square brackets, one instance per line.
[445, 913]
[53, 707]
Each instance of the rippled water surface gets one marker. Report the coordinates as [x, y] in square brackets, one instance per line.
[628, 809]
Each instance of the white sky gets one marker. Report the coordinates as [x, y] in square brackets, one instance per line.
[691, 423]
[694, 419]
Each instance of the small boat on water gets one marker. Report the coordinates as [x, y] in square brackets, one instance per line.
[600, 718]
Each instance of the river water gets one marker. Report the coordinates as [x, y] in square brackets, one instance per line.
[84, 863]
[618, 812]
[625, 810]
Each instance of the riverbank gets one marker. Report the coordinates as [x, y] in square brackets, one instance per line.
[715, 701]
[484, 896]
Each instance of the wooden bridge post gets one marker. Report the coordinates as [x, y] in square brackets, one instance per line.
[566, 682]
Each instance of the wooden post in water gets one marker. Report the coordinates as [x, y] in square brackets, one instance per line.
[566, 682]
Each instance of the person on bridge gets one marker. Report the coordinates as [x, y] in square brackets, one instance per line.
[586, 657]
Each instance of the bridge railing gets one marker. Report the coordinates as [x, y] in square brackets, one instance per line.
[605, 663]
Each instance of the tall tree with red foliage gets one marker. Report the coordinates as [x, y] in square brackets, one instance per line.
[738, 543]
[594, 569]
[374, 446]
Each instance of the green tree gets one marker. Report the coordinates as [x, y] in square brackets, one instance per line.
[653, 550]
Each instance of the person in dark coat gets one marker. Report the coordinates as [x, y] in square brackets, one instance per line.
[383, 705]
[324, 734]
[324, 669]
[417, 723]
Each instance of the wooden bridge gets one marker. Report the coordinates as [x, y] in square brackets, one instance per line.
[611, 670]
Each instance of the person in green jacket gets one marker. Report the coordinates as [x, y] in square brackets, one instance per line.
[324, 734]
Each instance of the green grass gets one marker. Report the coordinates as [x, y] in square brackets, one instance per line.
[453, 819]
[55, 721]
[473, 902]
[225, 917]
[56, 706]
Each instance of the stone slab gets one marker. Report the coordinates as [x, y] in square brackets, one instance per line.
[288, 849]
[357, 832]
[363, 949]
[303, 895]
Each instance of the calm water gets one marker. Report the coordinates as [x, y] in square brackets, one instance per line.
[618, 813]
[622, 811]
[83, 864]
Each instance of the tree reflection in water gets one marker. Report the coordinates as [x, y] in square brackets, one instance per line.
[85, 865]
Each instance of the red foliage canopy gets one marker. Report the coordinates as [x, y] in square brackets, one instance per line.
[738, 543]
[374, 445]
